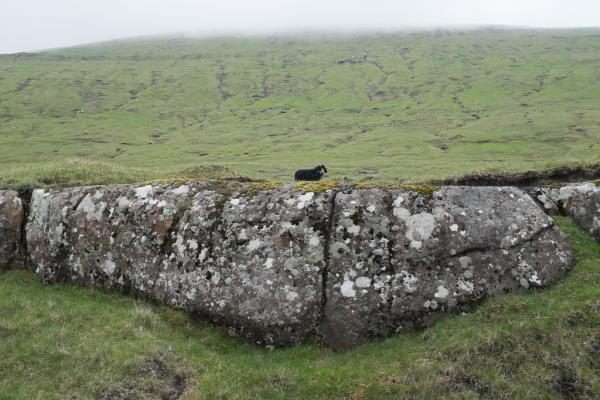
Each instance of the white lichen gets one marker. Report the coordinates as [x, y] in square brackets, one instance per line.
[441, 292]
[254, 244]
[409, 282]
[108, 265]
[314, 241]
[305, 199]
[354, 230]
[347, 289]
[465, 286]
[143, 192]
[362, 282]
[182, 190]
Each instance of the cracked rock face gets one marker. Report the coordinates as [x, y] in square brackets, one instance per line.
[400, 260]
[251, 262]
[11, 222]
[279, 265]
[548, 198]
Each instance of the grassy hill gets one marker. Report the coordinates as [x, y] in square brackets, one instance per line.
[69, 342]
[397, 106]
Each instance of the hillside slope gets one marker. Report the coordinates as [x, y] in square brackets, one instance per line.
[412, 106]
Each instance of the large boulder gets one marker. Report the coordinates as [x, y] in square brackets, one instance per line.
[11, 223]
[276, 266]
[253, 261]
[400, 259]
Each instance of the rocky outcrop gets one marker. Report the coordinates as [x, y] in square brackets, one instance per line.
[276, 266]
[11, 223]
[580, 201]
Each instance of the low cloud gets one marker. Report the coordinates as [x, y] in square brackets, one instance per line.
[38, 24]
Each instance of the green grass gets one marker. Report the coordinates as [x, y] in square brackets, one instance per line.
[84, 172]
[420, 106]
[64, 341]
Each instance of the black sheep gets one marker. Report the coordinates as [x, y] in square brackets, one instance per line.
[314, 174]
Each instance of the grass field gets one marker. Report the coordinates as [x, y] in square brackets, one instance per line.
[69, 342]
[409, 106]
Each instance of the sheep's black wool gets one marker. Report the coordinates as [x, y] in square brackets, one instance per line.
[314, 174]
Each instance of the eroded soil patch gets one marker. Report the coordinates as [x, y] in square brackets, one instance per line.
[160, 377]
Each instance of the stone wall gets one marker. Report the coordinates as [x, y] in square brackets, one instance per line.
[277, 266]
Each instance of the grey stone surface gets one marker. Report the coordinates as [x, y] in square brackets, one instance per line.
[277, 266]
[253, 262]
[399, 259]
[549, 199]
[11, 221]
[582, 203]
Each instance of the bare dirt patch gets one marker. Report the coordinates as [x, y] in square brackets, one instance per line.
[160, 377]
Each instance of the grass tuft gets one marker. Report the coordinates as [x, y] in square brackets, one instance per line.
[145, 317]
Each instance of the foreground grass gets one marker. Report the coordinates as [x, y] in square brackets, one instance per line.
[64, 341]
[409, 106]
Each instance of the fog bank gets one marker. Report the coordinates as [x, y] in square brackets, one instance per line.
[40, 24]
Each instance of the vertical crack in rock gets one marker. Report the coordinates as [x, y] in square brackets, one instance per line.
[325, 271]
[359, 267]
[181, 208]
[78, 201]
[25, 195]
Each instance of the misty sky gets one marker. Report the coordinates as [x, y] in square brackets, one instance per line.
[39, 24]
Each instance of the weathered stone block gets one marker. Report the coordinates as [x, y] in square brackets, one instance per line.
[276, 266]
[253, 262]
[582, 203]
[399, 259]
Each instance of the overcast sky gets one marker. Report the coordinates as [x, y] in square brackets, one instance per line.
[27, 25]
